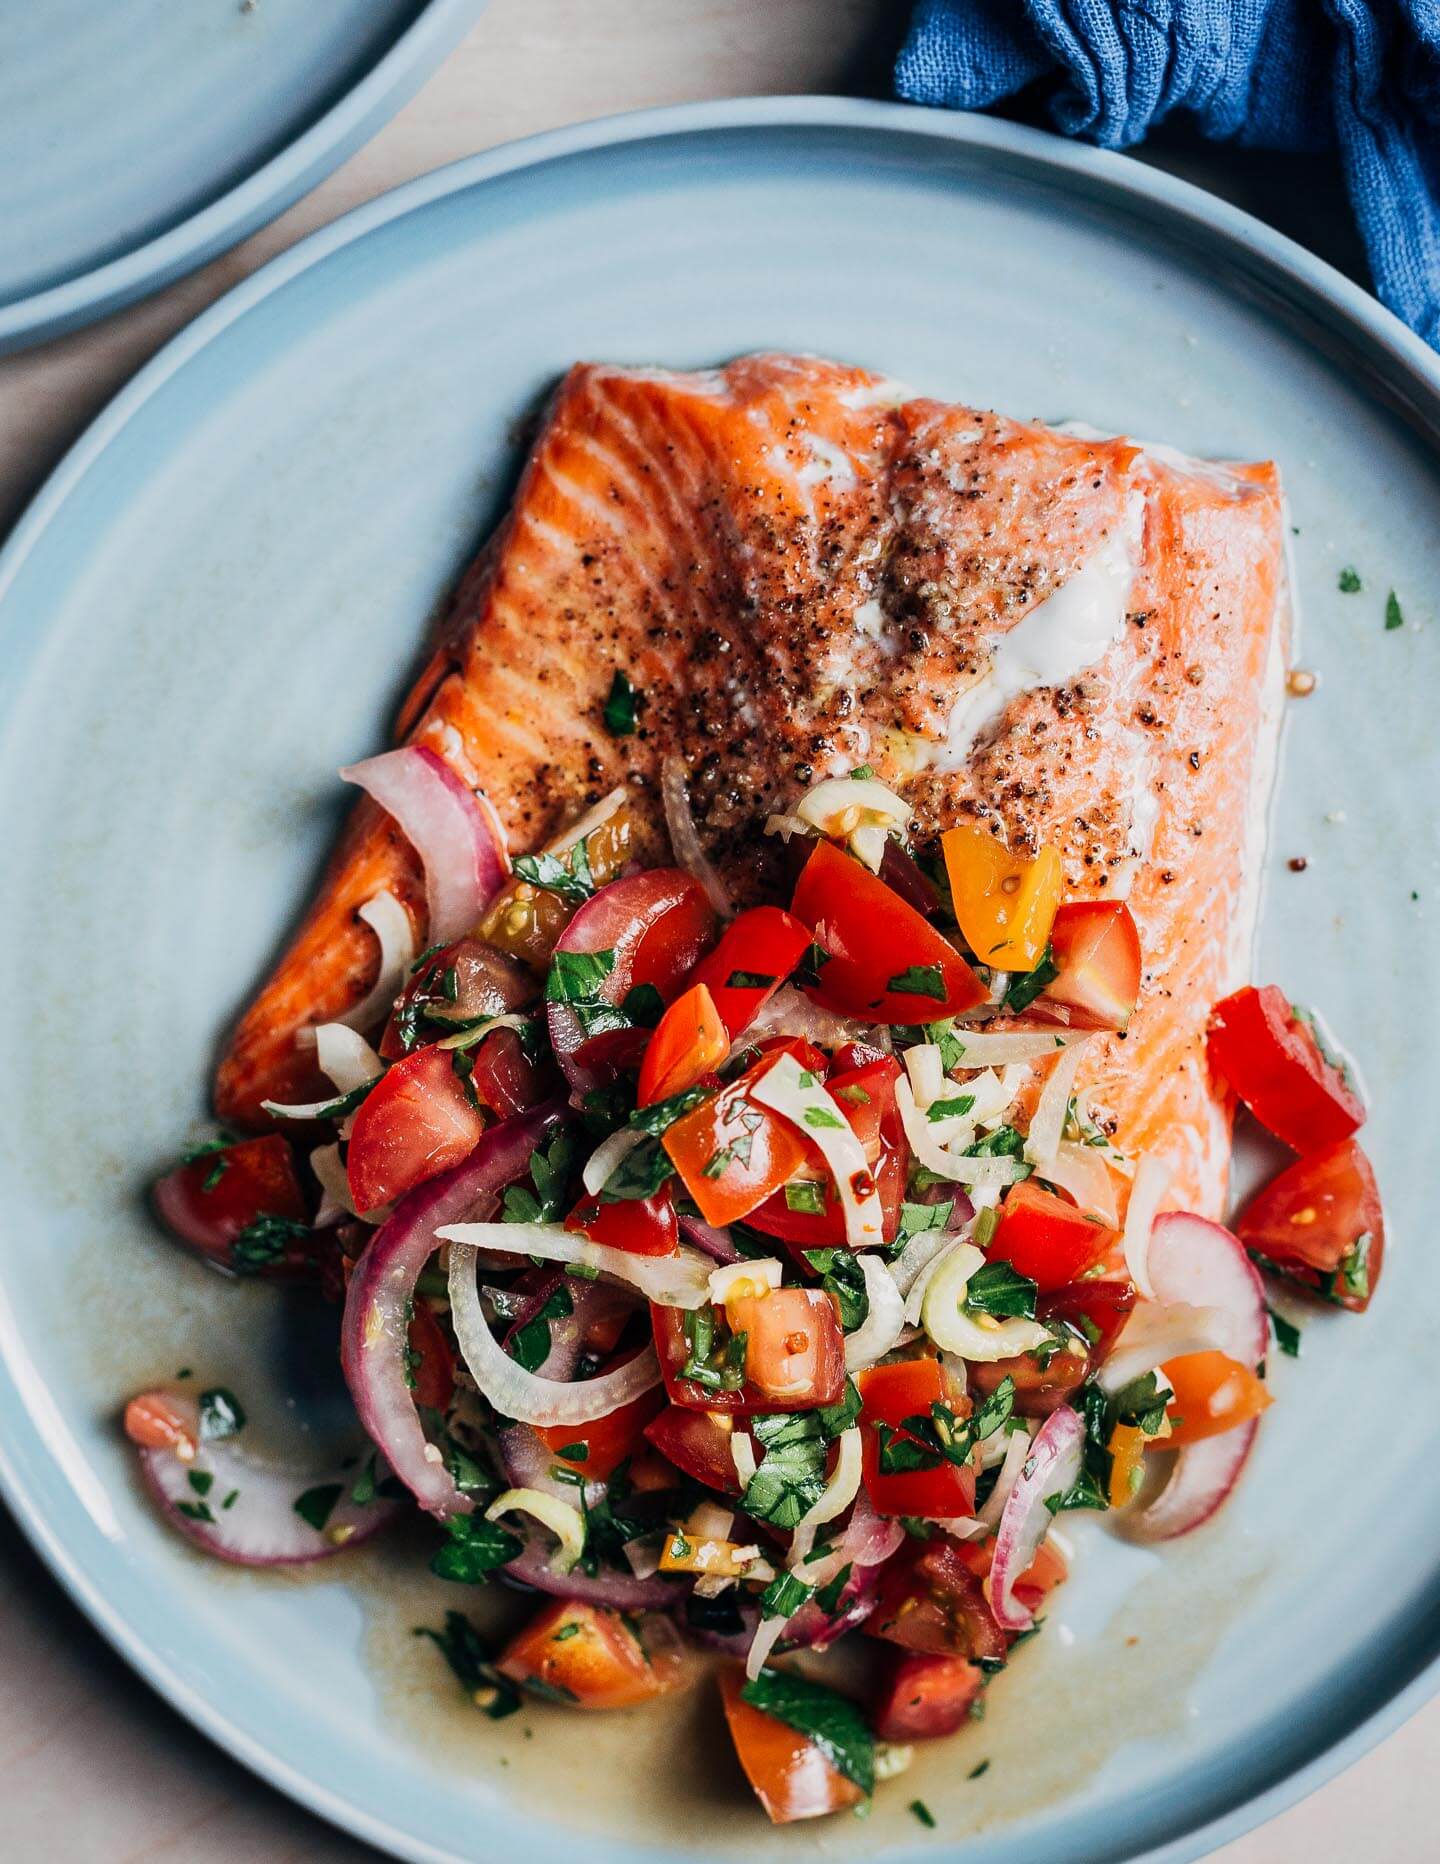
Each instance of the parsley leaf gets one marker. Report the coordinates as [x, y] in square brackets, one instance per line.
[317, 1505]
[805, 1195]
[474, 1550]
[462, 1647]
[576, 976]
[1350, 583]
[832, 1722]
[1002, 1291]
[550, 1171]
[919, 980]
[567, 875]
[639, 1174]
[1027, 986]
[1287, 1334]
[841, 1276]
[263, 1242]
[1393, 617]
[661, 1114]
[622, 705]
[822, 1117]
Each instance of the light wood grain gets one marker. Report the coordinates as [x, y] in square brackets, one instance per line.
[93, 1768]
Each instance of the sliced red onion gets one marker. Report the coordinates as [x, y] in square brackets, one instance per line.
[388, 919]
[788, 1013]
[523, 1395]
[1052, 1467]
[244, 1510]
[374, 1333]
[733, 1643]
[685, 837]
[1203, 1477]
[1201, 1264]
[812, 1629]
[452, 828]
[681, 1279]
[622, 1590]
[715, 1243]
[1017, 1454]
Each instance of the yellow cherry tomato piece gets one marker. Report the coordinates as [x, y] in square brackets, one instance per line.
[1212, 1394]
[1005, 903]
[1127, 1459]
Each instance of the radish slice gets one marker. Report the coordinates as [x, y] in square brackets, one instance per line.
[247, 1511]
[1053, 1466]
[1201, 1264]
[452, 828]
[523, 1395]
[375, 1330]
[626, 1593]
[1203, 1476]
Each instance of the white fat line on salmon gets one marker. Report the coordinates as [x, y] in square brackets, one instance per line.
[1055, 641]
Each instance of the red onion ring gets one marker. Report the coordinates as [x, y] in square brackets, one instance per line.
[374, 1332]
[452, 828]
[531, 1567]
[1056, 1456]
[715, 1243]
[259, 1526]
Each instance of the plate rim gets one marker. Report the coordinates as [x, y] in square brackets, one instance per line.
[262, 196]
[1135, 184]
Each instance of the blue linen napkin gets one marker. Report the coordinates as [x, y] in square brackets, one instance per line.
[1361, 75]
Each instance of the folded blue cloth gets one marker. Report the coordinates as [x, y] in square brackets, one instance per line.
[1363, 75]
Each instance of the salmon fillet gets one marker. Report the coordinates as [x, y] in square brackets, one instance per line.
[802, 569]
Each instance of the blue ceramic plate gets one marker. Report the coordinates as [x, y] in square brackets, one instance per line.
[213, 605]
[139, 138]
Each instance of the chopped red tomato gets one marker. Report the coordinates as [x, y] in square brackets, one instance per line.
[929, 1600]
[1042, 1236]
[926, 1697]
[793, 1357]
[1095, 947]
[1212, 1394]
[756, 953]
[432, 1364]
[890, 1394]
[1271, 1058]
[1321, 1223]
[504, 1077]
[791, 1777]
[866, 1096]
[416, 1121]
[885, 961]
[1004, 902]
[644, 1226]
[589, 1655]
[731, 1152]
[689, 1042]
[597, 1449]
[1095, 1311]
[461, 981]
[1046, 1571]
[698, 1444]
[214, 1200]
[794, 1347]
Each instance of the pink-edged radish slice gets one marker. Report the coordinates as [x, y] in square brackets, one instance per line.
[1195, 1263]
[1053, 1466]
[237, 1507]
[452, 828]
[1202, 1479]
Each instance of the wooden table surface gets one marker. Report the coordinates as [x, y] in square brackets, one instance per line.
[93, 1768]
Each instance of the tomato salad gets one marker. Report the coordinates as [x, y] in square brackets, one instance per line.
[746, 1282]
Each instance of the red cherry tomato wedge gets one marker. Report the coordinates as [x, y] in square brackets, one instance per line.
[1271, 1058]
[866, 1096]
[890, 1394]
[1095, 946]
[1321, 1223]
[689, 1042]
[791, 1777]
[589, 1656]
[1042, 1236]
[218, 1196]
[886, 962]
[731, 1152]
[607, 1441]
[506, 1079]
[928, 1600]
[756, 953]
[1096, 1310]
[698, 1444]
[416, 1121]
[925, 1697]
[645, 1226]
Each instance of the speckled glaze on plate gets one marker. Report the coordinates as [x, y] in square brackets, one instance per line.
[213, 604]
[139, 138]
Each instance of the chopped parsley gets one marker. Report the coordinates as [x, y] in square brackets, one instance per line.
[919, 980]
[805, 1195]
[832, 1722]
[842, 1276]
[263, 1242]
[953, 1109]
[462, 1647]
[661, 1114]
[790, 1478]
[750, 980]
[1352, 1278]
[923, 1813]
[822, 1117]
[576, 976]
[1350, 583]
[1393, 617]
[530, 1345]
[622, 705]
[550, 1172]
[1287, 1334]
[316, 1505]
[784, 1596]
[639, 1174]
[221, 1414]
[999, 1290]
[474, 1549]
[567, 874]
[1027, 986]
